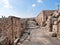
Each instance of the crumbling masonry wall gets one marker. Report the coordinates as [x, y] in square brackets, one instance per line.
[51, 20]
[11, 28]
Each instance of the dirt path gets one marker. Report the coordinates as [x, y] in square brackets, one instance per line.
[39, 37]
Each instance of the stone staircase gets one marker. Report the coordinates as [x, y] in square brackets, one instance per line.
[30, 25]
[31, 33]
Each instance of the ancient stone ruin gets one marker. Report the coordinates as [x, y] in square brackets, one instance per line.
[14, 29]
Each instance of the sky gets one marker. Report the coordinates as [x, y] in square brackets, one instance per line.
[26, 8]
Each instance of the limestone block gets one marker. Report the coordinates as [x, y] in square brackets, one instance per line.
[55, 22]
[55, 28]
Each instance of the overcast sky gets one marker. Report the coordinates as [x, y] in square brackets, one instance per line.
[26, 8]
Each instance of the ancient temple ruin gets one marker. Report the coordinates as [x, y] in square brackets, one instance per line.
[13, 29]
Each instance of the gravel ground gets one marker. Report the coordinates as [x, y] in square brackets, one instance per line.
[40, 37]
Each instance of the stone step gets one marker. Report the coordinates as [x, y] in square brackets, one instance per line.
[24, 37]
[32, 27]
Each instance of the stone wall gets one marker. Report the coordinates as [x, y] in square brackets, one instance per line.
[11, 27]
[52, 20]
[43, 16]
[3, 26]
[56, 23]
[39, 19]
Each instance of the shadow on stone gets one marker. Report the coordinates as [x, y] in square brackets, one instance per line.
[54, 35]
